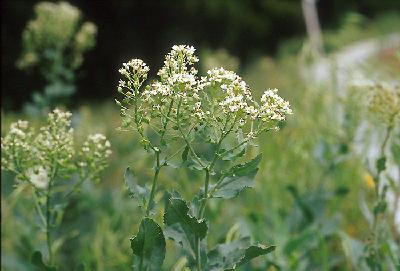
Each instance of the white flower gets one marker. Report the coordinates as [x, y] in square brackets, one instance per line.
[39, 177]
[97, 138]
[135, 73]
[18, 128]
[176, 65]
[384, 102]
[273, 107]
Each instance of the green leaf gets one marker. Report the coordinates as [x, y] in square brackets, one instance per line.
[232, 155]
[226, 256]
[254, 251]
[185, 153]
[193, 164]
[380, 207]
[37, 260]
[181, 226]
[141, 193]
[149, 246]
[231, 255]
[381, 164]
[236, 179]
[396, 151]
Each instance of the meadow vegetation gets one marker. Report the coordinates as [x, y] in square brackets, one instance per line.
[158, 178]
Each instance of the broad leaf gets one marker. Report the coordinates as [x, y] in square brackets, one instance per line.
[236, 179]
[141, 193]
[37, 261]
[254, 251]
[149, 246]
[231, 255]
[226, 256]
[181, 226]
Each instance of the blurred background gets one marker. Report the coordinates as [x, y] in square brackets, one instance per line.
[147, 30]
[314, 189]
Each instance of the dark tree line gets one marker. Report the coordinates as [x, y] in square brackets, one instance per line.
[147, 29]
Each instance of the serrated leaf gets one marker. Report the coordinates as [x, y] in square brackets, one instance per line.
[254, 251]
[242, 169]
[149, 246]
[195, 205]
[231, 255]
[141, 193]
[226, 256]
[236, 179]
[181, 226]
[37, 261]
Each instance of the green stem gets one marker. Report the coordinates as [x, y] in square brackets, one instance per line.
[48, 237]
[154, 184]
[184, 137]
[206, 184]
[166, 121]
[76, 185]
[39, 210]
[198, 260]
[379, 198]
[245, 141]
[203, 203]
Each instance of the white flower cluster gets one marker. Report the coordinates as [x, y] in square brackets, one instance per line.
[18, 128]
[50, 153]
[177, 87]
[56, 26]
[16, 146]
[220, 95]
[55, 141]
[235, 97]
[177, 76]
[94, 154]
[384, 102]
[177, 63]
[273, 107]
[39, 177]
[135, 73]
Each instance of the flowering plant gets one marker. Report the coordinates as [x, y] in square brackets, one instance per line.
[202, 123]
[381, 101]
[383, 105]
[50, 164]
[54, 42]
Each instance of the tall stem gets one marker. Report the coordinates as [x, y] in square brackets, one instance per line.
[203, 203]
[382, 155]
[198, 260]
[154, 184]
[48, 240]
[379, 197]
